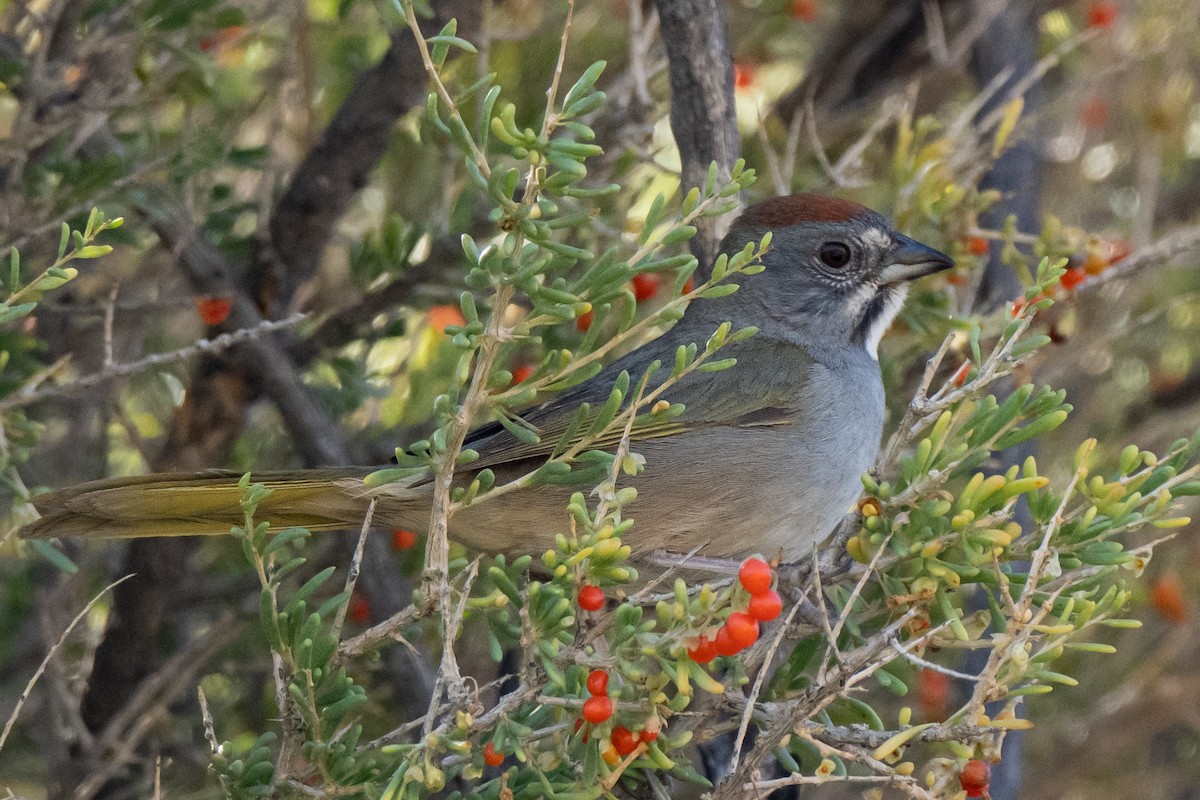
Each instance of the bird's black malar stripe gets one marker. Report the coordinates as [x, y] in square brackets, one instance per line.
[871, 313]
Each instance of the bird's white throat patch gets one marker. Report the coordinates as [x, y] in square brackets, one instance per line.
[893, 302]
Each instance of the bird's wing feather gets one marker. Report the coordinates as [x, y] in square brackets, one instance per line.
[711, 399]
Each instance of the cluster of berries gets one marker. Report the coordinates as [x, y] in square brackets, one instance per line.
[741, 627]
[598, 709]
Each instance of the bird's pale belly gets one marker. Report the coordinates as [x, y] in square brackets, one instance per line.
[773, 507]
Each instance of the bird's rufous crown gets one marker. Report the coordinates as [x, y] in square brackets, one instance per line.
[793, 209]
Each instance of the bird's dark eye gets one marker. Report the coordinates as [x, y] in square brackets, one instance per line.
[835, 255]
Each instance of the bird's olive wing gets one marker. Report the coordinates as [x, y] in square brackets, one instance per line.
[726, 398]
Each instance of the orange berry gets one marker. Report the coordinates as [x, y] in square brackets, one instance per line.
[359, 611]
[766, 606]
[624, 740]
[755, 576]
[491, 757]
[1167, 598]
[1101, 14]
[441, 317]
[933, 694]
[1072, 278]
[704, 651]
[804, 10]
[609, 754]
[597, 682]
[597, 709]
[645, 286]
[1094, 263]
[956, 279]
[521, 373]
[743, 75]
[402, 539]
[591, 598]
[214, 310]
[689, 285]
[974, 778]
[978, 246]
[743, 629]
[584, 321]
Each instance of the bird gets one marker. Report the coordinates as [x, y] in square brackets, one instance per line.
[766, 457]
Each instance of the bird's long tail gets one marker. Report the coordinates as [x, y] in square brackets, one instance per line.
[199, 504]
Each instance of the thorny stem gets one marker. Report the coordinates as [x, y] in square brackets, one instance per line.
[435, 582]
[1017, 631]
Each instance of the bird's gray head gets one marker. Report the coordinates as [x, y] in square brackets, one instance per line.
[836, 272]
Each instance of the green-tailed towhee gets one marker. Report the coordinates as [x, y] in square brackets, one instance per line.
[765, 458]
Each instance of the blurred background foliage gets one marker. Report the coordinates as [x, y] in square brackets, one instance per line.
[215, 104]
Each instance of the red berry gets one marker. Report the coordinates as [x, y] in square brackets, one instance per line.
[1094, 113]
[704, 651]
[724, 643]
[591, 598]
[597, 682]
[649, 736]
[584, 321]
[743, 629]
[1168, 599]
[597, 709]
[1072, 278]
[359, 611]
[974, 778]
[755, 576]
[1101, 14]
[766, 606]
[805, 10]
[219, 39]
[578, 725]
[521, 373]
[214, 310]
[689, 285]
[960, 375]
[978, 246]
[491, 757]
[625, 740]
[933, 694]
[645, 286]
[402, 539]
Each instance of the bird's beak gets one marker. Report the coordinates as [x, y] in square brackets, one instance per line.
[910, 260]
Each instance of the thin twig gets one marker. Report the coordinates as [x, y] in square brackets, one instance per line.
[210, 734]
[12, 718]
[756, 689]
[352, 574]
[32, 394]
